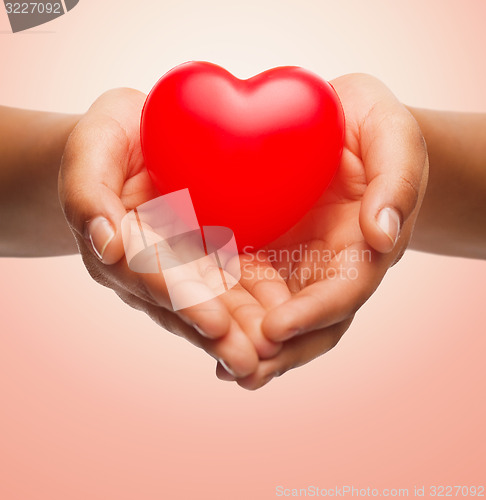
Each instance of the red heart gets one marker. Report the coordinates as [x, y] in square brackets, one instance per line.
[255, 154]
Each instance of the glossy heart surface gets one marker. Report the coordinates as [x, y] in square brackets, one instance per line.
[255, 154]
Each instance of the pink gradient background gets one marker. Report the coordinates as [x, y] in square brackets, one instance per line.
[98, 403]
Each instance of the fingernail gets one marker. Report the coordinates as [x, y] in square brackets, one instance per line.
[227, 368]
[388, 221]
[100, 232]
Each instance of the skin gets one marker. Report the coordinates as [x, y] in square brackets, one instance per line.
[384, 164]
[452, 219]
[31, 220]
[274, 319]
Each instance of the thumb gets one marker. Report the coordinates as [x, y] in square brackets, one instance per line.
[91, 179]
[395, 159]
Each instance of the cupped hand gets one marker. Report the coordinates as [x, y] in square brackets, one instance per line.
[300, 292]
[102, 177]
[332, 261]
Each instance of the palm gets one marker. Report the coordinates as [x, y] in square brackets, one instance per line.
[345, 253]
[330, 228]
[137, 188]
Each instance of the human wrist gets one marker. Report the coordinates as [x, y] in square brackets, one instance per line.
[32, 145]
[452, 220]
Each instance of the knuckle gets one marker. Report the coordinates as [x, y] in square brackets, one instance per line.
[364, 79]
[415, 135]
[71, 200]
[410, 188]
[96, 272]
[121, 93]
[402, 124]
[411, 133]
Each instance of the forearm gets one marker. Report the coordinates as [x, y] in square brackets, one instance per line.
[31, 220]
[452, 220]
